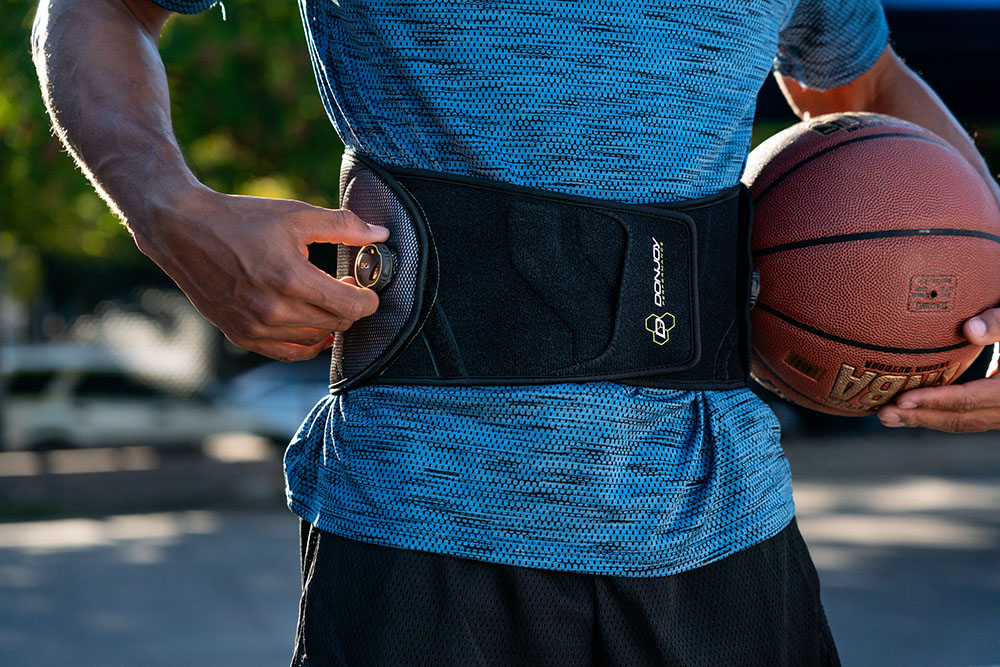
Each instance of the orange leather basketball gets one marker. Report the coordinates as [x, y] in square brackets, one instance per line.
[875, 241]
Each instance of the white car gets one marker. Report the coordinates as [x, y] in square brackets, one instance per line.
[68, 395]
[280, 394]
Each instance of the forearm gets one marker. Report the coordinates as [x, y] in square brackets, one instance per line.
[892, 88]
[907, 96]
[106, 91]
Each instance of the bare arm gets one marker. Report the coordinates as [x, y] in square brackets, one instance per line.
[241, 260]
[890, 87]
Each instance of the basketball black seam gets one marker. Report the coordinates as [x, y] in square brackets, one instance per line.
[830, 149]
[864, 236]
[854, 343]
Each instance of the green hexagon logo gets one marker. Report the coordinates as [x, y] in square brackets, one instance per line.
[660, 326]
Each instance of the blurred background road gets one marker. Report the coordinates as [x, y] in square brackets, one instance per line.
[159, 590]
[903, 527]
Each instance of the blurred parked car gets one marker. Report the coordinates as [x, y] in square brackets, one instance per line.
[68, 395]
[280, 394]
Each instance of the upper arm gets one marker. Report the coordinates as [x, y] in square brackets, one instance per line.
[830, 50]
[861, 93]
[149, 14]
[152, 14]
[885, 86]
[103, 15]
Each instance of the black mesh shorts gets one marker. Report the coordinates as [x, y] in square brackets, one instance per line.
[370, 605]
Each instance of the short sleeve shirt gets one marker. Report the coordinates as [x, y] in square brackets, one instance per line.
[643, 101]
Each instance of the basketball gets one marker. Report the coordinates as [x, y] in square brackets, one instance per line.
[875, 241]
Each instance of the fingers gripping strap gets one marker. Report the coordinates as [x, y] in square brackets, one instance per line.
[505, 285]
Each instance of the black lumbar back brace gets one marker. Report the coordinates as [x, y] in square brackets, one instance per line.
[482, 283]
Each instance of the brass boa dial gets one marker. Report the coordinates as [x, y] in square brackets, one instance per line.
[374, 266]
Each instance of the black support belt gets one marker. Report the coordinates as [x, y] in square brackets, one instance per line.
[502, 285]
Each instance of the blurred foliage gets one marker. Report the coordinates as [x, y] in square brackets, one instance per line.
[245, 110]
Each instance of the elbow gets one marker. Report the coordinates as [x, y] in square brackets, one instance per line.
[867, 92]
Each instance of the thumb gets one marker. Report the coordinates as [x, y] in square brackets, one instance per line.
[325, 225]
[984, 329]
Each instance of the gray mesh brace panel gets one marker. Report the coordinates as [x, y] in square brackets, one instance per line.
[369, 344]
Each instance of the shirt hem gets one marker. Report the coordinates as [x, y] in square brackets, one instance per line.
[515, 556]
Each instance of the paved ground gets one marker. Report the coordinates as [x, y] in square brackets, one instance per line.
[154, 590]
[905, 529]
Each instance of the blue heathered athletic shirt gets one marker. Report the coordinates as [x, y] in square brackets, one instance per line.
[642, 101]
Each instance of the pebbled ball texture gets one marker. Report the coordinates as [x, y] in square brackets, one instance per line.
[875, 241]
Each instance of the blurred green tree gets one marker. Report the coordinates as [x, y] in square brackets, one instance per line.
[245, 110]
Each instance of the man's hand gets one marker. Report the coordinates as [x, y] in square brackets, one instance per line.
[243, 263]
[972, 406]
